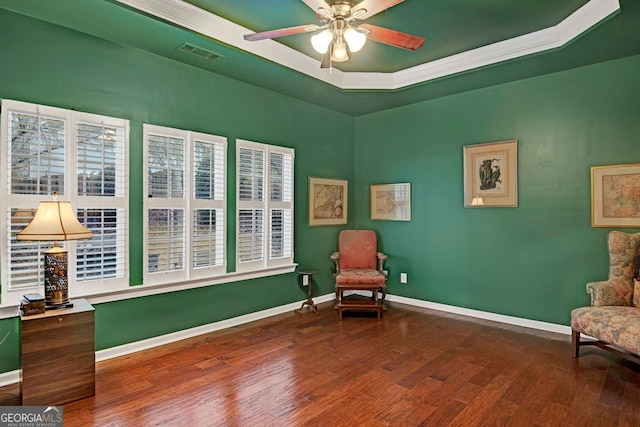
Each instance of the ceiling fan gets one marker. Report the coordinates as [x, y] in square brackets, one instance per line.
[337, 34]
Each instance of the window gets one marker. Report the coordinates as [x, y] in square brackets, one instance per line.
[184, 204]
[264, 205]
[83, 157]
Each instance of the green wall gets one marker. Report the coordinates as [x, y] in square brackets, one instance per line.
[532, 261]
[49, 65]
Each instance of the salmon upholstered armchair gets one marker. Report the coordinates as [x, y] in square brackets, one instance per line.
[359, 267]
[613, 318]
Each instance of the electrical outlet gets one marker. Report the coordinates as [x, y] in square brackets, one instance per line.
[305, 280]
[385, 272]
[403, 277]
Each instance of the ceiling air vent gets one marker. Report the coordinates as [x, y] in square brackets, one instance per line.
[199, 51]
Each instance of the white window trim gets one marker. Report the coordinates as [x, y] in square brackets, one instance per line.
[266, 205]
[188, 203]
[12, 297]
[125, 290]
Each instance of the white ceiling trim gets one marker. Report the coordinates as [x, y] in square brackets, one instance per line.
[195, 19]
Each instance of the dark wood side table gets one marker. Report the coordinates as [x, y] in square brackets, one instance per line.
[57, 355]
[307, 280]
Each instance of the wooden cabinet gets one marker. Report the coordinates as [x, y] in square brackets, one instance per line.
[57, 350]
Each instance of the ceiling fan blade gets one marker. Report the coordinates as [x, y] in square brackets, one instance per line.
[374, 7]
[393, 37]
[272, 34]
[316, 5]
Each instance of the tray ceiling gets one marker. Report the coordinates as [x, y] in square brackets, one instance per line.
[469, 45]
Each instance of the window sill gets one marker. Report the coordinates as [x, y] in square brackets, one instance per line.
[150, 289]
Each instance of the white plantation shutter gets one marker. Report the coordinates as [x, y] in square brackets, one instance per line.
[251, 175]
[166, 166]
[281, 198]
[101, 256]
[101, 151]
[276, 176]
[281, 228]
[185, 208]
[208, 237]
[36, 152]
[26, 259]
[165, 204]
[264, 224]
[83, 158]
[166, 231]
[251, 182]
[209, 166]
[101, 201]
[250, 235]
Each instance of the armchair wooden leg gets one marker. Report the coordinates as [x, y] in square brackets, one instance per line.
[575, 342]
[383, 291]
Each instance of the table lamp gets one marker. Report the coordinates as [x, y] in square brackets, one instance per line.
[55, 221]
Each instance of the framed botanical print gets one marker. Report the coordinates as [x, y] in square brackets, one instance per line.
[391, 202]
[615, 196]
[491, 175]
[327, 201]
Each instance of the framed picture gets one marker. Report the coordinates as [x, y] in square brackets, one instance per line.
[391, 202]
[327, 201]
[615, 196]
[491, 175]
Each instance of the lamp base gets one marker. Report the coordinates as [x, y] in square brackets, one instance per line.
[56, 293]
[59, 306]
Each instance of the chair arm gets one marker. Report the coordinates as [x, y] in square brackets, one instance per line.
[610, 293]
[381, 259]
[335, 257]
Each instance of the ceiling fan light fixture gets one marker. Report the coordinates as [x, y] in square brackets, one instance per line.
[321, 41]
[339, 51]
[337, 35]
[355, 39]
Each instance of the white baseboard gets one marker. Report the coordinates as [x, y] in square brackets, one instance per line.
[517, 321]
[12, 377]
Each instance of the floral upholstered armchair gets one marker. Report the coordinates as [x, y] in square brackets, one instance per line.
[359, 266]
[614, 316]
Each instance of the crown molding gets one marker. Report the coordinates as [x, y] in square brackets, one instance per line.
[208, 24]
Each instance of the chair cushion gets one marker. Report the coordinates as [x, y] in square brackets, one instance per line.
[360, 276]
[636, 293]
[615, 325]
[357, 249]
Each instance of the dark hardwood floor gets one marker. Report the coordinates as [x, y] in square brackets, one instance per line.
[414, 367]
